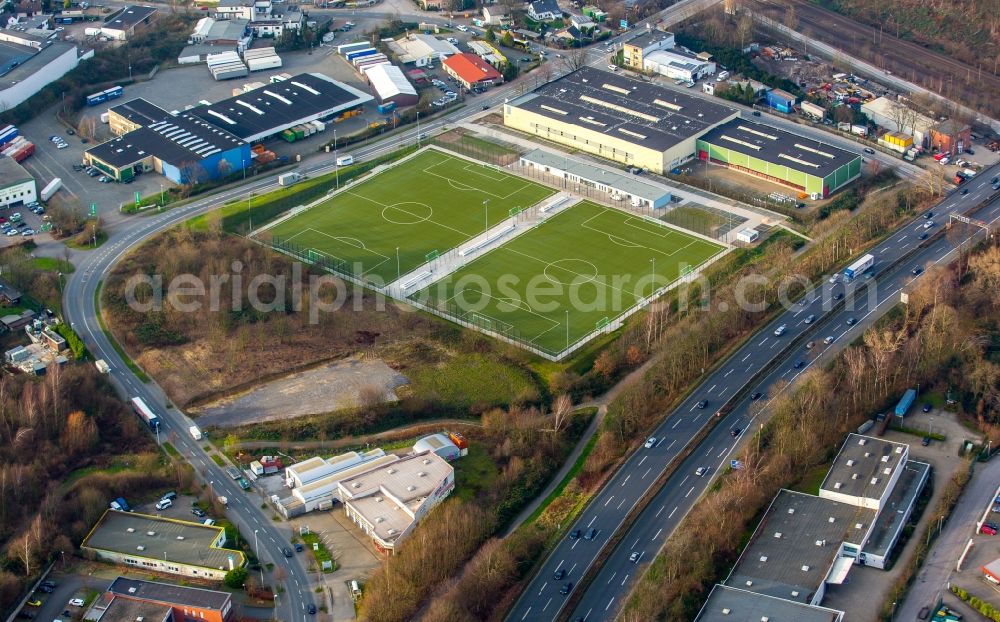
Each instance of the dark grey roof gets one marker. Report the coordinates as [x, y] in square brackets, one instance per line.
[179, 140]
[12, 173]
[629, 184]
[545, 6]
[6, 289]
[728, 604]
[169, 594]
[649, 38]
[775, 146]
[796, 544]
[268, 110]
[903, 496]
[659, 119]
[17, 62]
[128, 16]
[124, 610]
[859, 468]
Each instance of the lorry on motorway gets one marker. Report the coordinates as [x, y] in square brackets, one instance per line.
[102, 366]
[287, 179]
[50, 189]
[905, 402]
[859, 266]
[195, 432]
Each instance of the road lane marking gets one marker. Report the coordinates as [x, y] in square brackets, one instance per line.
[624, 580]
[647, 472]
[662, 507]
[676, 423]
[689, 492]
[606, 503]
[728, 372]
[626, 479]
[657, 535]
[746, 357]
[613, 575]
[609, 603]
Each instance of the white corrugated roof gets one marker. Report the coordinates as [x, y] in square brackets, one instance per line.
[389, 81]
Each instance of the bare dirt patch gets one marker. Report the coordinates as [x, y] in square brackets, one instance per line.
[329, 387]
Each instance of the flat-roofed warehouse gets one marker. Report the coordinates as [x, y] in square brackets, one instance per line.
[269, 110]
[781, 157]
[726, 604]
[618, 118]
[162, 545]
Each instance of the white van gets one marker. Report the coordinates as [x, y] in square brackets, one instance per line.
[345, 160]
[195, 432]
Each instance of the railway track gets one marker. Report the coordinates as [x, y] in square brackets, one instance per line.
[973, 86]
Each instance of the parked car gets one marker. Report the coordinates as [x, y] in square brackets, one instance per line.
[926, 441]
[27, 615]
[198, 512]
[869, 151]
[986, 529]
[927, 408]
[163, 504]
[76, 602]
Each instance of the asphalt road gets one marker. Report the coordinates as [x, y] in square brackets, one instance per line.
[864, 301]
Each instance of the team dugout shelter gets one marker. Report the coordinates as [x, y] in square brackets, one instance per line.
[781, 157]
[618, 118]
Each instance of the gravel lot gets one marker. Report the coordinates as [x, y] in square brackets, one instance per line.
[326, 388]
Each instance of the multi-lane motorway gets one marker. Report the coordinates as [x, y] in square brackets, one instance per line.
[781, 357]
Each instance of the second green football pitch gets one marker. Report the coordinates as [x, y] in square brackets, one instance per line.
[568, 276]
[387, 225]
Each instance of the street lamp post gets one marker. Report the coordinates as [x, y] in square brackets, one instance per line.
[256, 552]
[250, 210]
[336, 165]
[397, 263]
[486, 205]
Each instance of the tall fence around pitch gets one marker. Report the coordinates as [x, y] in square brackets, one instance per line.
[440, 264]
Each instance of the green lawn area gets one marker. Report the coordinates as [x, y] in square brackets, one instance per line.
[50, 264]
[432, 202]
[582, 267]
[474, 473]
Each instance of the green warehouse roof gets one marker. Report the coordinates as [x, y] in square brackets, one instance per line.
[779, 147]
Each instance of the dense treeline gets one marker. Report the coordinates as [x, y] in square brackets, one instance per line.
[56, 434]
[943, 339]
[527, 446]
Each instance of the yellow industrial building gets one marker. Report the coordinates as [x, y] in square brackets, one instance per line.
[618, 118]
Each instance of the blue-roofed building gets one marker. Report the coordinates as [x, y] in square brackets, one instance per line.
[782, 101]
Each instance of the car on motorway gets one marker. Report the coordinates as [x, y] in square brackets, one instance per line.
[311, 609]
[287, 552]
[567, 588]
[917, 271]
[463, 27]
[851, 321]
[928, 224]
[735, 432]
[828, 340]
[558, 575]
[927, 408]
[591, 534]
[838, 295]
[923, 236]
[779, 331]
[928, 215]
[810, 345]
[573, 535]
[869, 151]
[651, 441]
[76, 602]
[634, 557]
[809, 318]
[756, 396]
[834, 278]
[700, 471]
[756, 113]
[702, 404]
[799, 364]
[965, 191]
